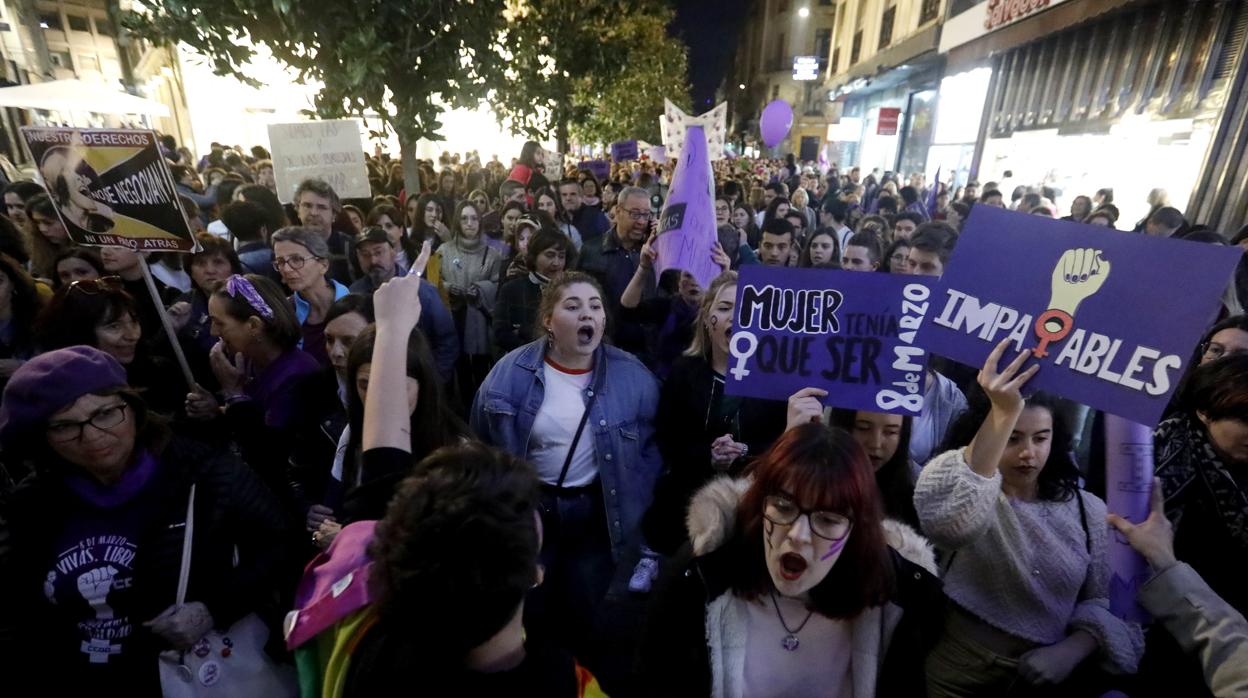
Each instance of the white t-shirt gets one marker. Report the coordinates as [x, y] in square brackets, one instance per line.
[555, 425]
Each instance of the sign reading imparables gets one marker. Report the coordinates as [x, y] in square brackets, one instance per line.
[1001, 12]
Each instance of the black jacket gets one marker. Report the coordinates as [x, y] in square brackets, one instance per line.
[234, 514]
[674, 652]
[684, 439]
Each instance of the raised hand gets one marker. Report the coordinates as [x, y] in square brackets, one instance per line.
[396, 305]
[805, 407]
[1004, 387]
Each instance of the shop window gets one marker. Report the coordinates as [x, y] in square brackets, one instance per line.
[929, 10]
[78, 23]
[855, 50]
[103, 27]
[51, 20]
[886, 26]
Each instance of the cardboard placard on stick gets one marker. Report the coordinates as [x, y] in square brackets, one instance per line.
[111, 187]
[332, 151]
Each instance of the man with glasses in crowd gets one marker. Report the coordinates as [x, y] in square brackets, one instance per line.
[613, 258]
[317, 205]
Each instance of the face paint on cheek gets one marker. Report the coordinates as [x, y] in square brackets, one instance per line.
[714, 320]
[836, 548]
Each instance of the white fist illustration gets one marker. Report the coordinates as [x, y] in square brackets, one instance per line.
[94, 586]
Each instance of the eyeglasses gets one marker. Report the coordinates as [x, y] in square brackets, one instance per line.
[782, 511]
[105, 418]
[1212, 351]
[94, 287]
[639, 215]
[295, 262]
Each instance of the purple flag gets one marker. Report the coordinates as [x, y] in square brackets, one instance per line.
[931, 196]
[687, 225]
[1129, 479]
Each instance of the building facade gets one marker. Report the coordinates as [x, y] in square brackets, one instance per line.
[776, 34]
[46, 40]
[882, 84]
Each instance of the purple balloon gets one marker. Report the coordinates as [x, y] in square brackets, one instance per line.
[775, 123]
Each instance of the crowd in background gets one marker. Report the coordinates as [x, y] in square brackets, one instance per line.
[481, 405]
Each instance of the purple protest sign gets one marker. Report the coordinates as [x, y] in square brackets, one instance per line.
[1129, 480]
[687, 231]
[600, 169]
[624, 150]
[1111, 316]
[851, 333]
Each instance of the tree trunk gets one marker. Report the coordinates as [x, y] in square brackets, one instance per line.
[561, 137]
[411, 173]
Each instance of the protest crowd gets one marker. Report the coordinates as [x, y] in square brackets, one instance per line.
[476, 440]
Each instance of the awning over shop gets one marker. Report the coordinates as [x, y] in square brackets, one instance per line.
[78, 95]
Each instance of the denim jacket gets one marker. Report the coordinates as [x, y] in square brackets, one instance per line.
[621, 422]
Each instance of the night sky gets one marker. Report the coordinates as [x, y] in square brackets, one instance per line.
[711, 28]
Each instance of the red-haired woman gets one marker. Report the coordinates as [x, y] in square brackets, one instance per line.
[796, 584]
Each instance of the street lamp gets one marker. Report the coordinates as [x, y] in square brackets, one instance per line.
[803, 12]
[741, 86]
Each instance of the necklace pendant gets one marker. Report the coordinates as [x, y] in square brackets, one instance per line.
[790, 643]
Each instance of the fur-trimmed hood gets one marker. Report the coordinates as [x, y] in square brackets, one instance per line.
[713, 513]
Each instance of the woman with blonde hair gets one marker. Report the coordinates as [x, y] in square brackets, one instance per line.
[702, 432]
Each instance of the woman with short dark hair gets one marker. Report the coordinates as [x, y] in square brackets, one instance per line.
[515, 314]
[795, 584]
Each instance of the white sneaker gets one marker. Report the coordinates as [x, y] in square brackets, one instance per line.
[644, 574]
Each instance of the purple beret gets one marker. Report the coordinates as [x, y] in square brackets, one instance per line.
[51, 382]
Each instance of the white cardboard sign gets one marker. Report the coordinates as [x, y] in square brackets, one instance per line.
[328, 150]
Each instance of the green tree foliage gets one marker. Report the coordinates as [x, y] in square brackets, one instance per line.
[594, 69]
[401, 59]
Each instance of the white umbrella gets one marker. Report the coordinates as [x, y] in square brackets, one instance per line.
[78, 95]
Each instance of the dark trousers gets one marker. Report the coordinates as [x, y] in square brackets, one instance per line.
[576, 555]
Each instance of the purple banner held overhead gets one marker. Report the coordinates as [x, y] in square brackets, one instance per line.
[624, 150]
[687, 230]
[600, 169]
[1111, 316]
[1129, 481]
[851, 333]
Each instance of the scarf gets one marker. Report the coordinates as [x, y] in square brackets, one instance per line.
[1186, 460]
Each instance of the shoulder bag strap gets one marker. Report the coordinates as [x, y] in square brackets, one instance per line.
[187, 538]
[576, 439]
[1083, 521]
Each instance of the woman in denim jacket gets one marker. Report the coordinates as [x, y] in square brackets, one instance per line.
[583, 414]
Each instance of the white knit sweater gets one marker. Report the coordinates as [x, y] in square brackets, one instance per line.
[1023, 567]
